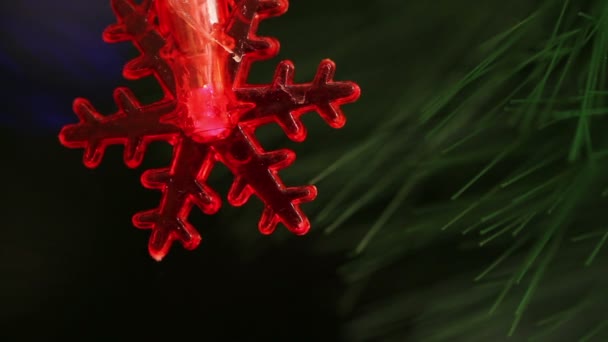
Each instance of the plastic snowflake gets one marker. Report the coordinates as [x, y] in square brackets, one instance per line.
[201, 52]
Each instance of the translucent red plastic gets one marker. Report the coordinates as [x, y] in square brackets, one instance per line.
[200, 51]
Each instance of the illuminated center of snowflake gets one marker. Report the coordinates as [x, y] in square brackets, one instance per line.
[198, 51]
[206, 116]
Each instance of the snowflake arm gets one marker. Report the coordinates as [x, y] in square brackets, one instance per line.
[284, 102]
[183, 185]
[256, 172]
[133, 125]
[135, 23]
[242, 26]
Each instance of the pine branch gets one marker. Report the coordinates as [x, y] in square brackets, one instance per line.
[515, 155]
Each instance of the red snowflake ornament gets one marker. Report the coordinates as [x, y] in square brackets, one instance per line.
[201, 52]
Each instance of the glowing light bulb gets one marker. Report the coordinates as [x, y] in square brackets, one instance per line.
[198, 51]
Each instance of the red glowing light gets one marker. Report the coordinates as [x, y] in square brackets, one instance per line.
[201, 52]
